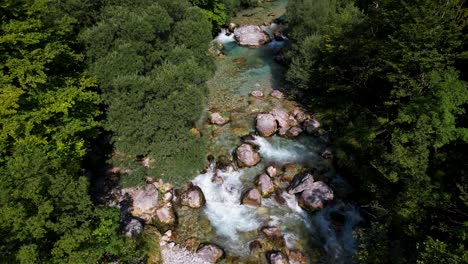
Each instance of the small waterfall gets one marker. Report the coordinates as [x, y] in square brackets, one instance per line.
[284, 151]
[225, 37]
[223, 207]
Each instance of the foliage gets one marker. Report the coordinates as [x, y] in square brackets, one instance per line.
[47, 116]
[151, 62]
[385, 84]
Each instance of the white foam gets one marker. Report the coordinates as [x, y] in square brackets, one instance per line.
[223, 37]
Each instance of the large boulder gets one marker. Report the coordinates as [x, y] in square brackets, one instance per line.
[145, 201]
[193, 197]
[293, 132]
[315, 197]
[210, 253]
[266, 125]
[265, 184]
[133, 228]
[166, 216]
[251, 35]
[311, 125]
[252, 197]
[281, 117]
[217, 119]
[301, 183]
[247, 156]
[276, 257]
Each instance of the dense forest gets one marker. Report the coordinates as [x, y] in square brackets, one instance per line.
[388, 80]
[385, 78]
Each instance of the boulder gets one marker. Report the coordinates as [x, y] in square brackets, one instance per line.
[277, 94]
[210, 253]
[247, 156]
[232, 26]
[251, 35]
[266, 125]
[166, 215]
[281, 117]
[252, 197]
[257, 93]
[217, 119]
[265, 185]
[276, 257]
[272, 232]
[271, 171]
[299, 115]
[133, 228]
[297, 257]
[145, 201]
[301, 183]
[315, 197]
[293, 132]
[193, 197]
[311, 125]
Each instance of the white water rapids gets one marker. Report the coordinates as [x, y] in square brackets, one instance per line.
[233, 221]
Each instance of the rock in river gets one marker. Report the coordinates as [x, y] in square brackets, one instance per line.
[251, 36]
[247, 156]
[266, 125]
[301, 183]
[265, 185]
[252, 197]
[210, 253]
[217, 119]
[315, 197]
[276, 257]
[193, 197]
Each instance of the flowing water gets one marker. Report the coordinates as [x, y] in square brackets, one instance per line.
[325, 235]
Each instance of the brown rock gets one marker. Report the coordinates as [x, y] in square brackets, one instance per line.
[193, 197]
[301, 183]
[294, 132]
[265, 185]
[271, 232]
[299, 115]
[255, 247]
[217, 119]
[277, 94]
[247, 156]
[251, 35]
[257, 94]
[315, 197]
[290, 171]
[166, 215]
[297, 256]
[276, 257]
[232, 26]
[210, 253]
[252, 197]
[311, 125]
[281, 117]
[266, 125]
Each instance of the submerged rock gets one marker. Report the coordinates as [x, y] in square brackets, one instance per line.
[193, 197]
[276, 257]
[133, 228]
[266, 125]
[257, 94]
[301, 183]
[293, 132]
[272, 232]
[217, 119]
[252, 197]
[265, 185]
[315, 197]
[210, 253]
[251, 36]
[277, 94]
[247, 156]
